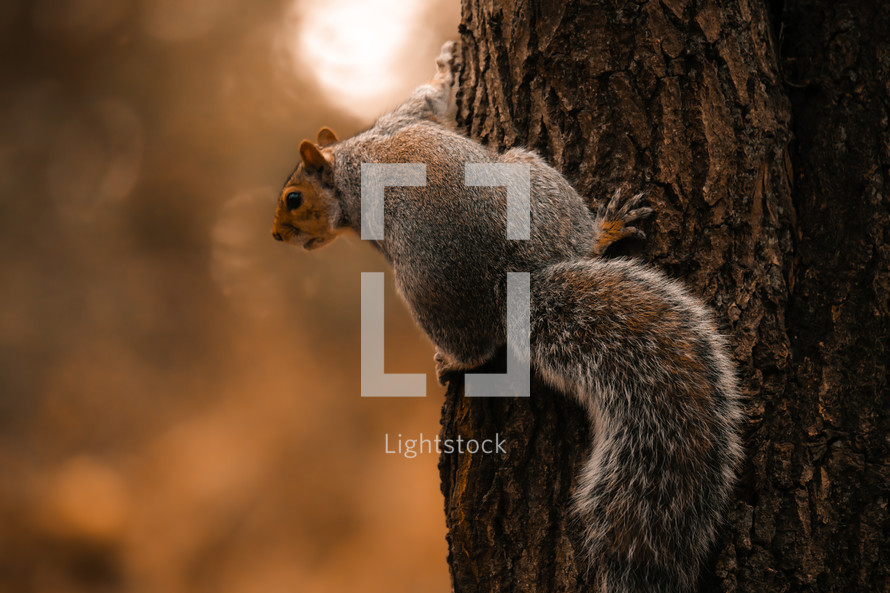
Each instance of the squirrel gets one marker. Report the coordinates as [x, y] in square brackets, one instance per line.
[640, 354]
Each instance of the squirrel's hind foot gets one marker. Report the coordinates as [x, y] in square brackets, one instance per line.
[447, 63]
[448, 369]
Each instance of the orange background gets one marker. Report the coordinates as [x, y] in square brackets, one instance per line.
[179, 394]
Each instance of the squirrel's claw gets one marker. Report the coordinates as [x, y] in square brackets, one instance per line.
[632, 232]
[638, 214]
[613, 218]
[616, 208]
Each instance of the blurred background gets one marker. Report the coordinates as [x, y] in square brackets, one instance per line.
[179, 394]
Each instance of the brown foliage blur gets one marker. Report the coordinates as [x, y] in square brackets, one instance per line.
[179, 395]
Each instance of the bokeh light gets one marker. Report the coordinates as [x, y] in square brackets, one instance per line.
[356, 50]
[179, 393]
[174, 20]
[77, 17]
[95, 160]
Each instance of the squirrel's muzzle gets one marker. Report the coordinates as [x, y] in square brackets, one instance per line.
[277, 236]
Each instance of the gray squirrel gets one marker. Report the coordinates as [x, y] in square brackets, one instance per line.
[639, 353]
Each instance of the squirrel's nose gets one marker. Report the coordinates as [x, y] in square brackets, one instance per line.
[277, 236]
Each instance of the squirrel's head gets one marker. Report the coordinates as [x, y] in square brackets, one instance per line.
[307, 211]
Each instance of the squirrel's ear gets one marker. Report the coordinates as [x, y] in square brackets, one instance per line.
[313, 160]
[326, 136]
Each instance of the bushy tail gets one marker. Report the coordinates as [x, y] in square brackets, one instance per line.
[645, 360]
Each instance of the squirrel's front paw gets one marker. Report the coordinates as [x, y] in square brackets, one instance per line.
[446, 369]
[614, 218]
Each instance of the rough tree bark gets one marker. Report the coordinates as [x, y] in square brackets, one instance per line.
[760, 134]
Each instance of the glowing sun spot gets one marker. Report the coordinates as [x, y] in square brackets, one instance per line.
[356, 49]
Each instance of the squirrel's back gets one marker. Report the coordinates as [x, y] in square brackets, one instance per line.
[450, 239]
[561, 223]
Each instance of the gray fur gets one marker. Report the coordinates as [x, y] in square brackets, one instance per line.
[645, 359]
[637, 351]
[446, 241]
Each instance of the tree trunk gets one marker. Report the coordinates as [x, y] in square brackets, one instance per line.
[691, 102]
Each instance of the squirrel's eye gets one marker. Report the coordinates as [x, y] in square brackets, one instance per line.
[293, 200]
